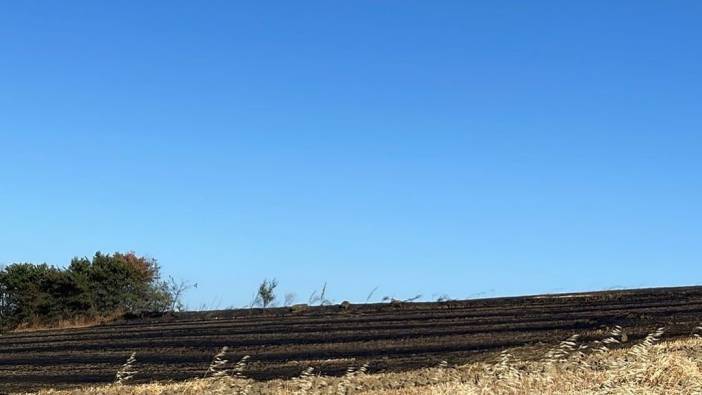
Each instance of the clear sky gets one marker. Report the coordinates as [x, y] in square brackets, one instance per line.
[459, 148]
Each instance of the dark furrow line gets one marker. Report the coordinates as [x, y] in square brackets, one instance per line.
[292, 333]
[137, 329]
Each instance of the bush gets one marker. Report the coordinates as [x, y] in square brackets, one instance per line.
[106, 285]
[266, 293]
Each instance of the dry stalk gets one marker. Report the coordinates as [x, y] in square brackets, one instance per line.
[216, 368]
[346, 384]
[304, 381]
[126, 372]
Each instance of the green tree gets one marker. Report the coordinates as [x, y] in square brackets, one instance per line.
[266, 292]
[105, 285]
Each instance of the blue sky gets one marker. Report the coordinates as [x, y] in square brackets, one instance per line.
[459, 148]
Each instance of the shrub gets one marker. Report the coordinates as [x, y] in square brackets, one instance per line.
[107, 284]
[266, 293]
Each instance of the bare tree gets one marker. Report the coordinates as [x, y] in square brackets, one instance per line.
[176, 290]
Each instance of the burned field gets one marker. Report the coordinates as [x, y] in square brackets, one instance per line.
[281, 342]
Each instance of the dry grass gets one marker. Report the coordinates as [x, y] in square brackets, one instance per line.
[73, 323]
[651, 367]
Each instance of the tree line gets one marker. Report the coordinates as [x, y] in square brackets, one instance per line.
[104, 286]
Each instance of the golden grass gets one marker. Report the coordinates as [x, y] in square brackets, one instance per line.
[73, 323]
[570, 368]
